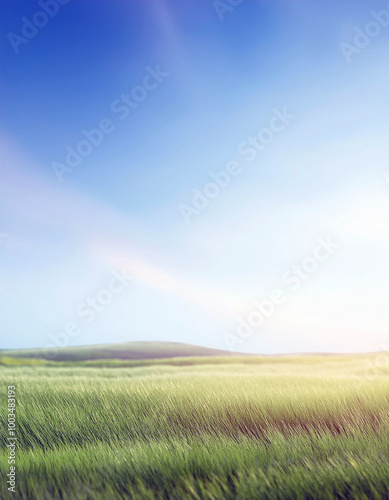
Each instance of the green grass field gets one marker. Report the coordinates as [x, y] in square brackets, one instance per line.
[309, 427]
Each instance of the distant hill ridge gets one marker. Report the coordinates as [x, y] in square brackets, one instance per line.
[125, 350]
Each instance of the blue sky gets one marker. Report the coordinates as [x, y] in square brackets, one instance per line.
[218, 79]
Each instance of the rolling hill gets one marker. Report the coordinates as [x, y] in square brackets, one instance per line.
[121, 351]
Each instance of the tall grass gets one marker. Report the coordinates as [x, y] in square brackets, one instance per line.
[275, 430]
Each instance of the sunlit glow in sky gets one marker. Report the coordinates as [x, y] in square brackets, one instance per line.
[321, 177]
